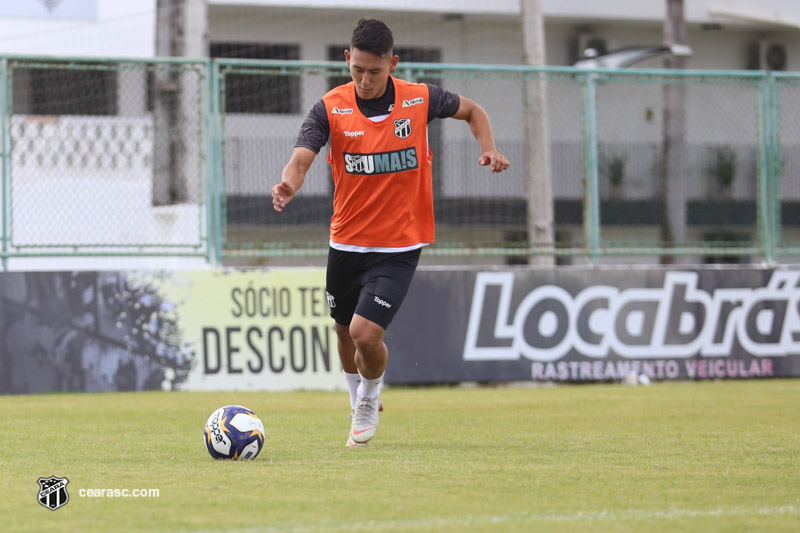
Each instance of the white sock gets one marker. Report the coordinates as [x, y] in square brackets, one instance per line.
[370, 388]
[353, 380]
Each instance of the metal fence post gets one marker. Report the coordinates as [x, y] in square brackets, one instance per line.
[4, 124]
[591, 196]
[773, 166]
[208, 112]
[766, 206]
[217, 191]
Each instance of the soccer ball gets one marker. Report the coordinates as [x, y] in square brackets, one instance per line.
[233, 432]
[636, 378]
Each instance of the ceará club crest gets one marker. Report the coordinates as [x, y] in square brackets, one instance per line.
[53, 492]
[402, 127]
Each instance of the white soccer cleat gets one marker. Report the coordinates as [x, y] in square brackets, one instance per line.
[380, 409]
[353, 444]
[365, 420]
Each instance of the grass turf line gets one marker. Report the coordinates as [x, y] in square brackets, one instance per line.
[689, 456]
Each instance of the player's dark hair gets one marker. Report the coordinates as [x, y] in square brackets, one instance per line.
[373, 36]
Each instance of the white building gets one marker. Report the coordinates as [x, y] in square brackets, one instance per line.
[723, 34]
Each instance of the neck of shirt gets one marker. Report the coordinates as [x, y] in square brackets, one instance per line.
[378, 107]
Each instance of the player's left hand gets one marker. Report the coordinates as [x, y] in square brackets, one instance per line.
[495, 159]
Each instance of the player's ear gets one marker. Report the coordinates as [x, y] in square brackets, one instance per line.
[347, 57]
[393, 63]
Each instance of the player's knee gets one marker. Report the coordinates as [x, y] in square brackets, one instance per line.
[367, 340]
[367, 343]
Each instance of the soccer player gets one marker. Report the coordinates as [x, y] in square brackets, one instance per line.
[383, 200]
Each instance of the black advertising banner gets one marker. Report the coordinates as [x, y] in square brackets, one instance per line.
[586, 325]
[269, 329]
[87, 331]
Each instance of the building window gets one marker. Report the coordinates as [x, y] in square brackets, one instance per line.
[60, 91]
[253, 93]
[336, 53]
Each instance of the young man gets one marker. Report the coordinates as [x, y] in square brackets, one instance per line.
[383, 200]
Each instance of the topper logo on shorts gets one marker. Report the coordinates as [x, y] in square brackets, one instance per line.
[381, 163]
[383, 303]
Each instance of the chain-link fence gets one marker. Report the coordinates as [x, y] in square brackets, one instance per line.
[784, 162]
[170, 157]
[680, 160]
[104, 157]
[641, 163]
[476, 212]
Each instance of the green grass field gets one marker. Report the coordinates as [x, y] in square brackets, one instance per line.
[705, 456]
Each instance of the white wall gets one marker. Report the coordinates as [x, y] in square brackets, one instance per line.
[486, 32]
[88, 181]
[507, 7]
[487, 38]
[629, 114]
[695, 11]
[123, 29]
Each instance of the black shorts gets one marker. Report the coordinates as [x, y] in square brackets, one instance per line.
[372, 284]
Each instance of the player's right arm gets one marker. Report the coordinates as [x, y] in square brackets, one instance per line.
[294, 174]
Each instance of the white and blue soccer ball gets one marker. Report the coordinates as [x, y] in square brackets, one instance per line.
[234, 432]
[636, 378]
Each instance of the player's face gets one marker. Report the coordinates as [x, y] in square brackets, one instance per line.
[370, 72]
